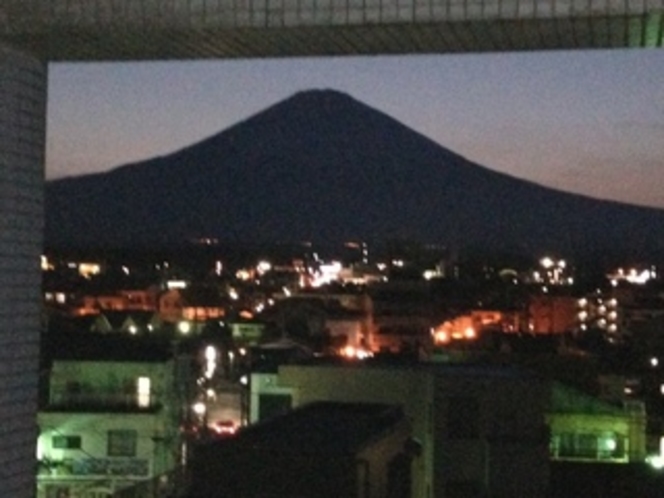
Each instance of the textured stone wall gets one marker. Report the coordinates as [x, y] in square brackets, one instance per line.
[22, 135]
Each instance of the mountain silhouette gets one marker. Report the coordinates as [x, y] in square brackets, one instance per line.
[321, 166]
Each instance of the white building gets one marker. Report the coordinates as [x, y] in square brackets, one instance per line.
[109, 425]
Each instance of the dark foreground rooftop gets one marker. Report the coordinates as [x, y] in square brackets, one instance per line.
[323, 449]
[323, 427]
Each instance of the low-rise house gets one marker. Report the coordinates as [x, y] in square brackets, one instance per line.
[121, 300]
[338, 322]
[111, 422]
[136, 322]
[327, 450]
[477, 436]
[196, 305]
[553, 314]
[349, 329]
[402, 317]
[587, 429]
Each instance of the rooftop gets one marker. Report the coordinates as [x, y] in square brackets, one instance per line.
[323, 427]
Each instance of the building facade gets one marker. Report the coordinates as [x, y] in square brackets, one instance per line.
[109, 426]
[477, 436]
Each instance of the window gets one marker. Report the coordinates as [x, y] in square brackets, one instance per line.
[611, 446]
[66, 442]
[586, 445]
[143, 392]
[122, 443]
[605, 446]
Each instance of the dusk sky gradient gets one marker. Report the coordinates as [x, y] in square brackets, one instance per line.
[589, 122]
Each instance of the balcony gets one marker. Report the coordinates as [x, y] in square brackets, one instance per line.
[98, 402]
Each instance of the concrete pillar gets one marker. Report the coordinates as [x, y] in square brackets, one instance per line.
[22, 142]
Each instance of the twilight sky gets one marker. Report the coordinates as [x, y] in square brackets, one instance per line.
[585, 122]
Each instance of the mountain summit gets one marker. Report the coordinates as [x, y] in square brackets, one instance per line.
[322, 166]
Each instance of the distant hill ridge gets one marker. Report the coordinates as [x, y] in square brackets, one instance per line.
[322, 166]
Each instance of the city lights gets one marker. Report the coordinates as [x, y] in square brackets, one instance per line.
[88, 270]
[176, 284]
[211, 356]
[199, 408]
[655, 461]
[263, 267]
[635, 276]
[547, 262]
[553, 272]
[351, 352]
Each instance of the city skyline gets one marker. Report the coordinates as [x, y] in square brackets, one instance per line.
[583, 122]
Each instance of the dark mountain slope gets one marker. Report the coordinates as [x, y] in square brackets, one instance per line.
[321, 166]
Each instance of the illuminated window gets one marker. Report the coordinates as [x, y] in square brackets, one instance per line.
[578, 445]
[143, 392]
[87, 270]
[605, 446]
[611, 446]
[122, 443]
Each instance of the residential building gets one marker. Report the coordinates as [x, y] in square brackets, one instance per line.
[552, 314]
[587, 429]
[403, 315]
[325, 449]
[477, 436]
[111, 422]
[196, 305]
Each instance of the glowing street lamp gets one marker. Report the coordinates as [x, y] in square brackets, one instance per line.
[546, 262]
[199, 408]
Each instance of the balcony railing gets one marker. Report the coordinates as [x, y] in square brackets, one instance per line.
[102, 402]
